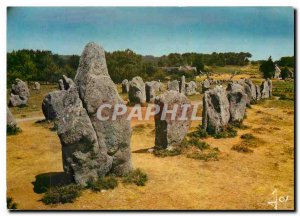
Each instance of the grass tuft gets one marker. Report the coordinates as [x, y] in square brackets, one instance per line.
[137, 177]
[11, 204]
[12, 130]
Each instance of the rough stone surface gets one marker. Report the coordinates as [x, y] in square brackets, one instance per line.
[36, 86]
[252, 89]
[173, 85]
[237, 102]
[83, 157]
[215, 114]
[61, 84]
[205, 85]
[190, 88]
[157, 86]
[17, 101]
[182, 85]
[247, 90]
[150, 91]
[258, 93]
[170, 133]
[10, 120]
[52, 104]
[137, 91]
[96, 88]
[20, 88]
[266, 89]
[125, 86]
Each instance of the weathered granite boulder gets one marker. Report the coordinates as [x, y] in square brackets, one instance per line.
[258, 93]
[137, 91]
[17, 101]
[36, 86]
[169, 133]
[215, 114]
[237, 102]
[182, 85]
[247, 90]
[10, 120]
[125, 86]
[84, 159]
[252, 89]
[190, 88]
[150, 91]
[173, 85]
[52, 104]
[205, 85]
[20, 88]
[95, 89]
[266, 89]
[157, 86]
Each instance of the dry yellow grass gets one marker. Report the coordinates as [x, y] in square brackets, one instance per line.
[236, 181]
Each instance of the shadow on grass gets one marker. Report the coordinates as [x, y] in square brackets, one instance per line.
[146, 150]
[46, 180]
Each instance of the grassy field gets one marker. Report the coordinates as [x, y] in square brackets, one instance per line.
[235, 181]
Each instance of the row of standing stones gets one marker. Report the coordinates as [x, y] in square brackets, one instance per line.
[92, 148]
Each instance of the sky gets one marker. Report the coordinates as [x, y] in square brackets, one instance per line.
[262, 31]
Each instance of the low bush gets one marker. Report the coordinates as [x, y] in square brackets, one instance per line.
[199, 133]
[12, 130]
[247, 136]
[62, 194]
[166, 152]
[137, 177]
[198, 143]
[241, 148]
[230, 132]
[11, 204]
[104, 183]
[212, 155]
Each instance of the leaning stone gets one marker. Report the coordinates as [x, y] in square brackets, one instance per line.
[83, 157]
[20, 88]
[52, 104]
[237, 102]
[182, 85]
[95, 89]
[170, 133]
[17, 101]
[125, 86]
[150, 91]
[205, 85]
[173, 85]
[215, 114]
[190, 88]
[137, 93]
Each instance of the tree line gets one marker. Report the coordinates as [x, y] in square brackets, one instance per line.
[44, 66]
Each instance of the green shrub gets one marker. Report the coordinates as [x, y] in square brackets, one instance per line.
[247, 136]
[166, 152]
[241, 148]
[229, 133]
[12, 130]
[199, 133]
[137, 177]
[198, 144]
[105, 183]
[206, 156]
[62, 194]
[10, 203]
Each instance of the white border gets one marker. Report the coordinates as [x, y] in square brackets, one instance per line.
[5, 3]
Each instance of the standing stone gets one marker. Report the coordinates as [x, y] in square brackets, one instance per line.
[17, 101]
[36, 86]
[61, 84]
[173, 85]
[205, 85]
[252, 89]
[237, 102]
[265, 89]
[84, 159]
[170, 133]
[95, 89]
[52, 104]
[190, 88]
[247, 90]
[20, 88]
[215, 114]
[156, 85]
[270, 87]
[125, 86]
[137, 93]
[10, 120]
[182, 85]
[150, 91]
[258, 93]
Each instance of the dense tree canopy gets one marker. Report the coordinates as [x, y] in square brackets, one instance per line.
[44, 66]
[268, 68]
